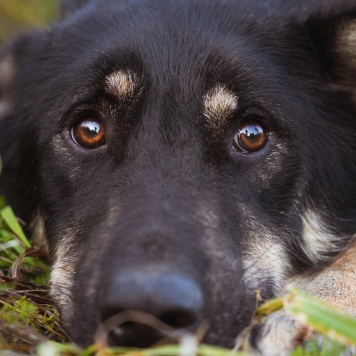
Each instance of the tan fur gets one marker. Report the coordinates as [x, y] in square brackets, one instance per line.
[64, 267]
[219, 104]
[280, 332]
[335, 284]
[62, 279]
[121, 84]
[65, 257]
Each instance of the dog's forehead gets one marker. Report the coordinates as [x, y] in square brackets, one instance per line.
[209, 69]
[173, 40]
[218, 102]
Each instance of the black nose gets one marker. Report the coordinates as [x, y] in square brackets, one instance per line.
[174, 298]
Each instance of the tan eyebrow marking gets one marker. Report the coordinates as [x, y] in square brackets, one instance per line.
[121, 84]
[219, 103]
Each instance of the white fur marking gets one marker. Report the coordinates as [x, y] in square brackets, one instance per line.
[279, 335]
[62, 280]
[219, 103]
[266, 259]
[318, 240]
[122, 84]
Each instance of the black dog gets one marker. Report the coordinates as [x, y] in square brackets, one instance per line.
[178, 155]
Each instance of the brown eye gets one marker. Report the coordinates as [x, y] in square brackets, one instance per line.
[89, 133]
[251, 137]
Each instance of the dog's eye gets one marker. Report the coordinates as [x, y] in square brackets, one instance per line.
[89, 133]
[251, 137]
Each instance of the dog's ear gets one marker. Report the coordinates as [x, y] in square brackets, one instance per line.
[17, 70]
[7, 69]
[16, 56]
[7, 72]
[68, 7]
[332, 29]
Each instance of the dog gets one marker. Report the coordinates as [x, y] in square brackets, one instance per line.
[176, 156]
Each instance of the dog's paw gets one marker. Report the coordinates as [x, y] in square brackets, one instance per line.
[277, 334]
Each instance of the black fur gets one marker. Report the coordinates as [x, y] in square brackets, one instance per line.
[168, 192]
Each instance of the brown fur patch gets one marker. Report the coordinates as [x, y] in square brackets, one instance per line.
[336, 284]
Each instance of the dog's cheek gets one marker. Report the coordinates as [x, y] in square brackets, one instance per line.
[265, 263]
[321, 242]
[62, 281]
[81, 277]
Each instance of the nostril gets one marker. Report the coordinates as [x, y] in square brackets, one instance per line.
[179, 318]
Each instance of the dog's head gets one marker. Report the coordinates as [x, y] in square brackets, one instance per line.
[177, 156]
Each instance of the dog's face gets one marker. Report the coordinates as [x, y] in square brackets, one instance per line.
[178, 156]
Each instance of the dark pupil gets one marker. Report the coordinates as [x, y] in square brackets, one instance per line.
[91, 128]
[252, 132]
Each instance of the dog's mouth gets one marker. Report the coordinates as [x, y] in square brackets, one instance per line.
[132, 334]
[139, 329]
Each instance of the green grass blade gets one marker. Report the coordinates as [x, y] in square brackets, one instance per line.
[9, 217]
[270, 306]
